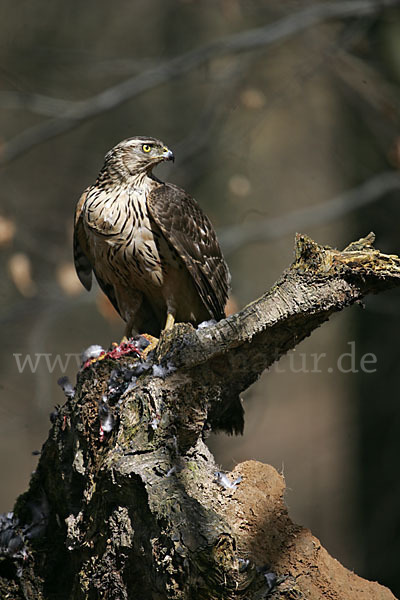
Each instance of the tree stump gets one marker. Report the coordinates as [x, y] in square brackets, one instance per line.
[127, 501]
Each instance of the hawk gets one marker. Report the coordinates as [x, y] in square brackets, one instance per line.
[151, 248]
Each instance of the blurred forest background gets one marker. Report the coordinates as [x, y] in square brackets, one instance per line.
[284, 117]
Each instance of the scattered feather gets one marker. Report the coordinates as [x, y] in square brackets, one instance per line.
[66, 386]
[205, 324]
[225, 482]
[159, 371]
[107, 419]
[154, 422]
[162, 371]
[54, 414]
[243, 564]
[94, 351]
[14, 534]
[270, 579]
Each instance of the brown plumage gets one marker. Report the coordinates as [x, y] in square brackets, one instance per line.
[152, 249]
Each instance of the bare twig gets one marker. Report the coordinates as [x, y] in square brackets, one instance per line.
[178, 66]
[233, 238]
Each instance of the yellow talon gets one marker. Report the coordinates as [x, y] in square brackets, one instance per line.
[152, 345]
[170, 321]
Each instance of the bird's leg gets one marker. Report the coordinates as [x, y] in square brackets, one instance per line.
[170, 321]
[154, 341]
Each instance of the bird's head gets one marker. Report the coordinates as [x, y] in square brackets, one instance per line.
[137, 155]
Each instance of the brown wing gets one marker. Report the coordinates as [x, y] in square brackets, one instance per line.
[189, 231]
[81, 251]
[82, 256]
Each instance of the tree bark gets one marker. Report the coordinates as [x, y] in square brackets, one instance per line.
[127, 501]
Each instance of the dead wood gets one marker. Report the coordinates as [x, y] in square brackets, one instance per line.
[127, 501]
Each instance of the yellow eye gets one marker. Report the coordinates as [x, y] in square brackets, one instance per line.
[146, 148]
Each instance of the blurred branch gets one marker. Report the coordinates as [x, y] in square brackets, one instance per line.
[178, 66]
[36, 103]
[368, 83]
[233, 238]
[375, 99]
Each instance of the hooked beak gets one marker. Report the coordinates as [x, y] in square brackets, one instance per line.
[168, 154]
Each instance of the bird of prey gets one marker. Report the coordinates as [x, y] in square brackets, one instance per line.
[152, 249]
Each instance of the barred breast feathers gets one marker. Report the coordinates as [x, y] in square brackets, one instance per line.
[121, 233]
